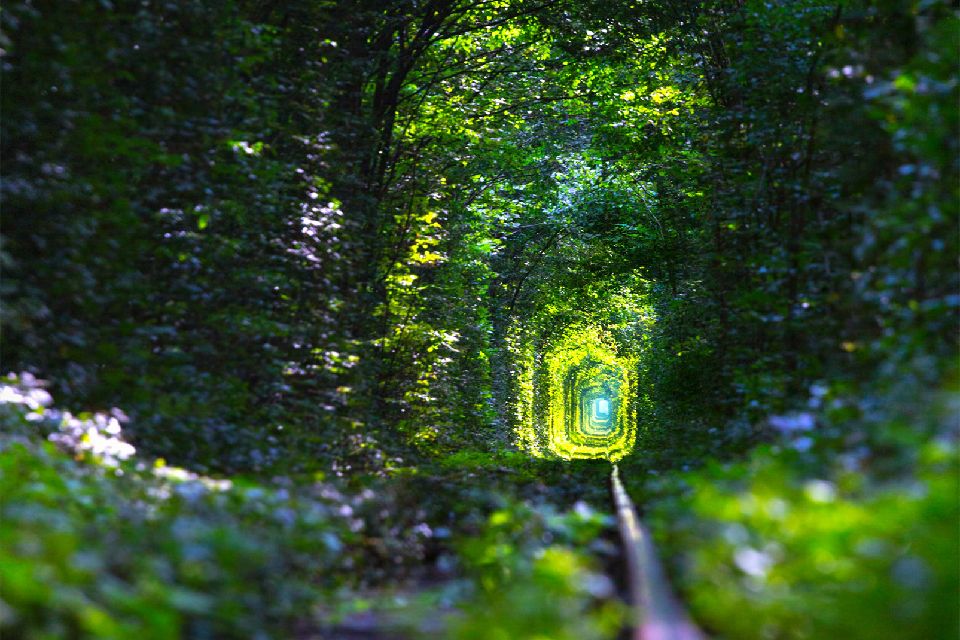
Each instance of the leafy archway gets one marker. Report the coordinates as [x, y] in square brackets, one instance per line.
[579, 400]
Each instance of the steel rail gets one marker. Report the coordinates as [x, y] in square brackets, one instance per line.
[657, 613]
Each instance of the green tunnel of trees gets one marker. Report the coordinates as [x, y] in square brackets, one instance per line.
[228, 217]
[363, 237]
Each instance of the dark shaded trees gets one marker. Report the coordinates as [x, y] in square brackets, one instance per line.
[289, 232]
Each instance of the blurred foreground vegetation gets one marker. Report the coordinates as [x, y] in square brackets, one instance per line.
[97, 542]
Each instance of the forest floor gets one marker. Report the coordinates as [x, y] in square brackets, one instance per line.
[98, 542]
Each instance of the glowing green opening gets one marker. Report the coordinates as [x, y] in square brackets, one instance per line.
[578, 398]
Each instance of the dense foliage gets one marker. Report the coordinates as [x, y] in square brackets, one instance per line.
[98, 543]
[326, 250]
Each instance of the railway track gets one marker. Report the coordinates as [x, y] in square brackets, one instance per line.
[658, 615]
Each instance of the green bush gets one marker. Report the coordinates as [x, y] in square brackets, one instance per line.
[104, 547]
[536, 576]
[797, 555]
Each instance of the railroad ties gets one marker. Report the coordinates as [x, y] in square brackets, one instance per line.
[658, 614]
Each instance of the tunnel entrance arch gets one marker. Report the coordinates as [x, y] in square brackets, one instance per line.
[574, 375]
[581, 398]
